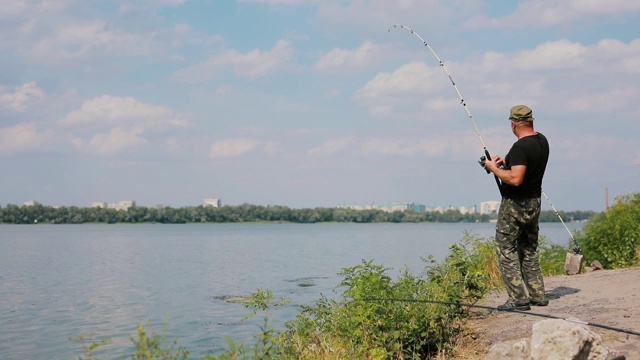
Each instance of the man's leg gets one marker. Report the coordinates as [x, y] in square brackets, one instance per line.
[507, 233]
[531, 272]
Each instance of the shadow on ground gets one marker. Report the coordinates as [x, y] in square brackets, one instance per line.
[561, 291]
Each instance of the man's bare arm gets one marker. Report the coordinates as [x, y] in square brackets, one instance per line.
[513, 176]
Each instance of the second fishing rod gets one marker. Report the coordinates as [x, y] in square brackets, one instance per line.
[487, 155]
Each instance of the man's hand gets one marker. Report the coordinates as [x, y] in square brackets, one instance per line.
[494, 163]
[512, 176]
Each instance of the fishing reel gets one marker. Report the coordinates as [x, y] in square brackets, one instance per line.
[481, 162]
[576, 249]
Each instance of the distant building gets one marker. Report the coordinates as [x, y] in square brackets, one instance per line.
[438, 209]
[463, 209]
[418, 208]
[404, 206]
[396, 206]
[120, 205]
[212, 202]
[489, 207]
[31, 203]
[358, 207]
[467, 209]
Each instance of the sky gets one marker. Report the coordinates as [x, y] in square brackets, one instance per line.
[312, 103]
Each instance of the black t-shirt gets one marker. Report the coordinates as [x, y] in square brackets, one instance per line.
[533, 152]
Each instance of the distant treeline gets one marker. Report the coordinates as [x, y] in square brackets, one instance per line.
[40, 214]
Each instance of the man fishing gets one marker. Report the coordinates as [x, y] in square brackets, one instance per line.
[520, 174]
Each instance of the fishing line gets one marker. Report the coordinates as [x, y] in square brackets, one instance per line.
[475, 126]
[459, 304]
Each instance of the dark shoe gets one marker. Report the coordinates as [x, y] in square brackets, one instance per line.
[509, 306]
[544, 302]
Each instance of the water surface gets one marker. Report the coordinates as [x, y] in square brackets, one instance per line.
[58, 281]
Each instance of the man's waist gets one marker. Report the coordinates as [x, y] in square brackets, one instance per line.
[521, 197]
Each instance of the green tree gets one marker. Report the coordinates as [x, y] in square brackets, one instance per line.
[613, 237]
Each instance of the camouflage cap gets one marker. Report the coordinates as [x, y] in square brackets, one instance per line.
[521, 113]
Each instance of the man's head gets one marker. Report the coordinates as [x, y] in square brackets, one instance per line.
[521, 118]
[521, 113]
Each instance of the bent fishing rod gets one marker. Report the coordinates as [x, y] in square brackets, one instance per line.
[459, 304]
[462, 102]
[576, 248]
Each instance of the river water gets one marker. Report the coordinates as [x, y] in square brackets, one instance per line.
[61, 281]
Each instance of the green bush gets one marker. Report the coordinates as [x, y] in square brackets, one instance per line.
[552, 257]
[613, 237]
[376, 317]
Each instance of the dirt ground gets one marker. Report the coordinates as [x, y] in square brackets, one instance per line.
[602, 297]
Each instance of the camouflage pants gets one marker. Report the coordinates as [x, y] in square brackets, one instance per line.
[517, 249]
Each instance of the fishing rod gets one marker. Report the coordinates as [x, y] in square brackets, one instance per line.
[576, 246]
[475, 126]
[462, 102]
[459, 304]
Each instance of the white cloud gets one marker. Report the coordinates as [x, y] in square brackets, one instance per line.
[409, 82]
[78, 40]
[168, 2]
[605, 102]
[22, 137]
[235, 147]
[600, 148]
[11, 8]
[182, 28]
[626, 56]
[582, 82]
[333, 93]
[125, 119]
[281, 2]
[252, 64]
[18, 100]
[377, 15]
[330, 147]
[406, 147]
[536, 13]
[62, 32]
[107, 110]
[561, 54]
[344, 60]
[223, 90]
[257, 63]
[409, 78]
[559, 74]
[232, 147]
[116, 141]
[172, 144]
[272, 147]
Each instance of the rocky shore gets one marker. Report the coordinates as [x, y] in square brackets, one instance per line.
[603, 297]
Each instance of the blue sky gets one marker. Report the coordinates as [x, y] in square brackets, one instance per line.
[311, 103]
